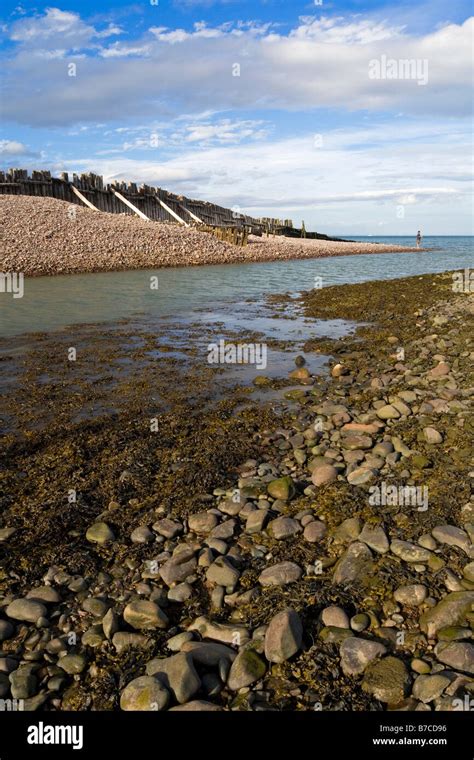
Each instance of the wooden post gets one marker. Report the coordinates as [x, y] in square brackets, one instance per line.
[130, 205]
[171, 212]
[83, 198]
[193, 216]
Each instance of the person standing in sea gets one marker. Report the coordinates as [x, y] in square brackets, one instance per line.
[418, 239]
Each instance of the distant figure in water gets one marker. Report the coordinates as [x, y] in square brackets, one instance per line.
[418, 239]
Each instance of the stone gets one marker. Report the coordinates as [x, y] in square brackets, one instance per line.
[23, 683]
[432, 436]
[410, 552]
[73, 664]
[123, 640]
[96, 607]
[354, 442]
[44, 594]
[348, 530]
[223, 573]
[388, 412]
[208, 653]
[453, 536]
[6, 630]
[6, 533]
[334, 616]
[247, 668]
[284, 636]
[223, 632]
[411, 595]
[100, 533]
[457, 655]
[360, 622]
[283, 527]
[441, 369]
[27, 610]
[144, 615]
[314, 531]
[256, 521]
[451, 610]
[387, 680]
[202, 522]
[197, 705]
[468, 572]
[375, 537]
[180, 593]
[427, 688]
[144, 693]
[354, 563]
[280, 574]
[168, 528]
[177, 674]
[324, 474]
[142, 535]
[360, 475]
[110, 623]
[357, 654]
[282, 488]
[178, 567]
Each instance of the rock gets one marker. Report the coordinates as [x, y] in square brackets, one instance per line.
[144, 615]
[177, 674]
[110, 623]
[468, 572]
[354, 563]
[432, 436]
[440, 370]
[144, 693]
[197, 705]
[23, 683]
[453, 536]
[72, 663]
[338, 370]
[357, 654]
[360, 475]
[100, 533]
[180, 593]
[451, 610]
[223, 573]
[175, 643]
[314, 531]
[123, 640]
[44, 594]
[348, 530]
[282, 488]
[410, 595]
[280, 574]
[388, 412]
[427, 688]
[6, 533]
[334, 616]
[208, 653]
[27, 610]
[353, 442]
[387, 680]
[178, 567]
[410, 552]
[324, 474]
[247, 668]
[168, 528]
[284, 636]
[256, 521]
[202, 522]
[96, 607]
[360, 622]
[283, 527]
[227, 633]
[457, 655]
[375, 537]
[6, 630]
[302, 373]
[142, 535]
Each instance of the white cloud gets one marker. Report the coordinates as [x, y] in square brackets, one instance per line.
[14, 148]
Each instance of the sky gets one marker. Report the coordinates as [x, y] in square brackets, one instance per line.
[354, 115]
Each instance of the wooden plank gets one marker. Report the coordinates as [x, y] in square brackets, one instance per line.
[83, 198]
[193, 216]
[130, 205]
[170, 211]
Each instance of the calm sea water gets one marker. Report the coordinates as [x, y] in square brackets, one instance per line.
[51, 303]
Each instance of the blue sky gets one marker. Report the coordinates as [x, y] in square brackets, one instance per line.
[269, 106]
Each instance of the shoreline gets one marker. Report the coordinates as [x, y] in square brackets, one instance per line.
[40, 238]
[157, 565]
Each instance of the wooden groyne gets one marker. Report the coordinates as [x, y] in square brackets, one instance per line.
[150, 203]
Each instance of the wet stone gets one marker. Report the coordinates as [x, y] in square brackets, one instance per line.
[144, 693]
